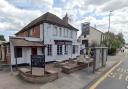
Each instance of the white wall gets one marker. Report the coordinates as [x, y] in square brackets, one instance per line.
[93, 36]
[49, 37]
[26, 55]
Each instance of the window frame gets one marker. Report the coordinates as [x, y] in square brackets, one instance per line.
[18, 54]
[66, 49]
[49, 50]
[59, 49]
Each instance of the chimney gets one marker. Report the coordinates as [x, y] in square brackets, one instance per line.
[65, 18]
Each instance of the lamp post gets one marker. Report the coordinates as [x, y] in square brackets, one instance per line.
[109, 20]
[109, 27]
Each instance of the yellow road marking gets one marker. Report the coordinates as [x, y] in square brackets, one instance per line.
[110, 74]
[105, 76]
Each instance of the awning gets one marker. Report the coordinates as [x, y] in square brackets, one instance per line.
[21, 42]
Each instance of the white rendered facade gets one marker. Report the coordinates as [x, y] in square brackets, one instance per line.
[48, 34]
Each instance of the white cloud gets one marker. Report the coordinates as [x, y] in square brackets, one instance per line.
[15, 16]
[94, 11]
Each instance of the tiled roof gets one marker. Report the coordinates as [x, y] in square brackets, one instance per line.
[25, 43]
[48, 18]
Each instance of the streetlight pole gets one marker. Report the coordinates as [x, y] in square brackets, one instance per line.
[109, 27]
[109, 20]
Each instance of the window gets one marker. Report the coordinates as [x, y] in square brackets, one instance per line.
[49, 49]
[55, 31]
[59, 49]
[76, 49]
[66, 49]
[66, 32]
[18, 52]
[73, 49]
[71, 34]
[60, 32]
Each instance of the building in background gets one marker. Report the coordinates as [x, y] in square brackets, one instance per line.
[48, 35]
[2, 50]
[90, 36]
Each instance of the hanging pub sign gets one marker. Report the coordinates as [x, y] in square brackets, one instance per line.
[38, 61]
[85, 28]
[63, 42]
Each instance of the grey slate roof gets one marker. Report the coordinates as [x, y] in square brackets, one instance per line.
[48, 18]
[25, 43]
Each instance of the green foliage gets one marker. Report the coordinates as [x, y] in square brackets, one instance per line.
[113, 42]
[2, 38]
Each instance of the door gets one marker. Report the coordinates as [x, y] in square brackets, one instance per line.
[34, 51]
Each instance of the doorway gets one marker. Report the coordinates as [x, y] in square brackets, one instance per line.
[34, 51]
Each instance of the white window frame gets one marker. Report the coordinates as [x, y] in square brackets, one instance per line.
[66, 49]
[55, 31]
[59, 49]
[49, 50]
[60, 31]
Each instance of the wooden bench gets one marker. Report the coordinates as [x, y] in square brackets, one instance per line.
[69, 69]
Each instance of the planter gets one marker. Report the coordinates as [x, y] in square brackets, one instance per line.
[26, 75]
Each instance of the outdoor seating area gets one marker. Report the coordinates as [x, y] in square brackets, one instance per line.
[48, 76]
[52, 71]
[78, 64]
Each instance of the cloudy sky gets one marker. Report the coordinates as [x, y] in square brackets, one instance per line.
[15, 14]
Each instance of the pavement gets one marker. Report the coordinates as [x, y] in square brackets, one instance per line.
[76, 80]
[116, 79]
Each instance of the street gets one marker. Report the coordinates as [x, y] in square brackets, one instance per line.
[117, 79]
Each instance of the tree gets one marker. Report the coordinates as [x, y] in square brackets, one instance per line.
[2, 38]
[113, 41]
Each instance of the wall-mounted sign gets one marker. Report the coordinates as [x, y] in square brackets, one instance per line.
[63, 42]
[85, 28]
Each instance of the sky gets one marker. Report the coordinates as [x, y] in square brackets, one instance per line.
[15, 14]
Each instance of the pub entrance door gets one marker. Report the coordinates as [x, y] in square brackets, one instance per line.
[34, 51]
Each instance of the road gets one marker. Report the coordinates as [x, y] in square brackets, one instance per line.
[115, 79]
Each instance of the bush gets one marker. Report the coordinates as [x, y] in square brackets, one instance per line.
[112, 51]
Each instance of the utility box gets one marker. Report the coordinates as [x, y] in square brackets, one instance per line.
[104, 56]
[100, 57]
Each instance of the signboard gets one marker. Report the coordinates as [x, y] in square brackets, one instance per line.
[85, 28]
[38, 61]
[63, 42]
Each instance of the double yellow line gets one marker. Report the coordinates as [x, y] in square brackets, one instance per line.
[104, 76]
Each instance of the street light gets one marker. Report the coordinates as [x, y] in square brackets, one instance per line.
[109, 26]
[109, 20]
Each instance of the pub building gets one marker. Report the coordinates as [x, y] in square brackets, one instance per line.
[49, 35]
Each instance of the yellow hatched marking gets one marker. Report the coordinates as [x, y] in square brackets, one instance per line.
[104, 77]
[126, 79]
[120, 77]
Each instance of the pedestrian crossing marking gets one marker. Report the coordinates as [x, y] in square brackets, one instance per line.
[104, 76]
[126, 79]
[120, 77]
[120, 74]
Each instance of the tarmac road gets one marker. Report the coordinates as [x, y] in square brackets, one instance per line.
[116, 79]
